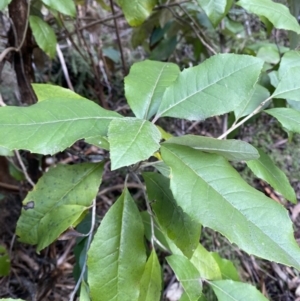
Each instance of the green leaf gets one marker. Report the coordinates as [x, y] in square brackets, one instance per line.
[84, 292]
[234, 150]
[150, 286]
[10, 299]
[4, 262]
[66, 7]
[255, 98]
[162, 168]
[215, 10]
[227, 268]
[289, 118]
[132, 140]
[188, 276]
[228, 290]
[5, 152]
[57, 202]
[265, 169]
[206, 264]
[289, 60]
[178, 226]
[52, 125]
[145, 85]
[137, 11]
[278, 14]
[44, 35]
[98, 141]
[211, 88]
[116, 259]
[289, 85]
[47, 91]
[212, 192]
[4, 3]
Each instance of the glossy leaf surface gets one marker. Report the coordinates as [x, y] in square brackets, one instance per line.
[145, 85]
[289, 118]
[228, 290]
[52, 125]
[117, 257]
[265, 169]
[234, 150]
[44, 35]
[213, 193]
[150, 286]
[211, 88]
[278, 14]
[178, 226]
[132, 140]
[66, 7]
[188, 276]
[57, 201]
[137, 11]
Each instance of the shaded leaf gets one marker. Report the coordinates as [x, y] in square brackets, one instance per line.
[213, 193]
[228, 290]
[4, 262]
[98, 141]
[211, 88]
[278, 14]
[215, 10]
[188, 276]
[289, 118]
[66, 7]
[116, 258]
[52, 125]
[44, 35]
[179, 227]
[289, 85]
[150, 286]
[265, 169]
[47, 91]
[132, 140]
[234, 150]
[255, 98]
[57, 202]
[145, 85]
[206, 264]
[137, 11]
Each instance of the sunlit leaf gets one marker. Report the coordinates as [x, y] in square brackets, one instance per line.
[265, 169]
[228, 290]
[66, 7]
[52, 125]
[44, 35]
[149, 79]
[57, 201]
[137, 11]
[213, 193]
[150, 286]
[132, 140]
[234, 150]
[117, 257]
[188, 276]
[277, 13]
[211, 88]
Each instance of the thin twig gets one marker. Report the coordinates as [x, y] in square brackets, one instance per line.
[64, 67]
[24, 168]
[118, 38]
[236, 125]
[87, 248]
